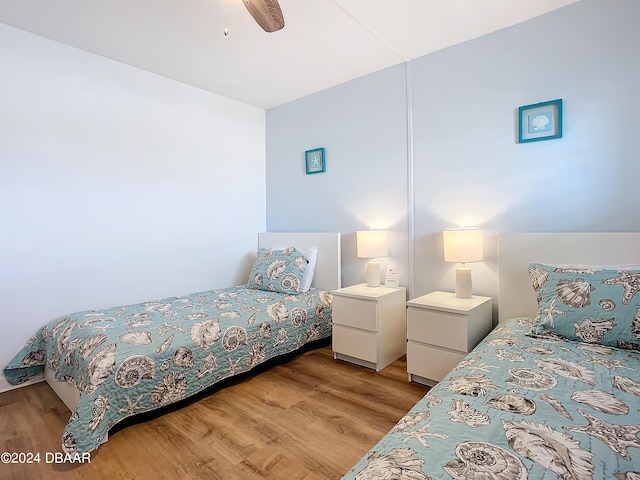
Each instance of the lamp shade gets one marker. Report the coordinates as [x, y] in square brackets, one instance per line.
[463, 245]
[371, 243]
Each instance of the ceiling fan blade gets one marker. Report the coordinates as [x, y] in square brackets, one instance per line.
[266, 13]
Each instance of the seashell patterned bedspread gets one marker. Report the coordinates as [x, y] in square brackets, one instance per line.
[136, 358]
[520, 407]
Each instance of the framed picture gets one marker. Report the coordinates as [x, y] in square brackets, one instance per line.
[540, 121]
[315, 161]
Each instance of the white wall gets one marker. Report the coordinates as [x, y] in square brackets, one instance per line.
[116, 186]
[467, 167]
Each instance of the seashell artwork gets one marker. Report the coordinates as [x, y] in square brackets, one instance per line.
[256, 355]
[635, 324]
[473, 384]
[629, 281]
[251, 320]
[321, 311]
[276, 268]
[259, 279]
[607, 304]
[513, 403]
[183, 357]
[625, 384]
[101, 366]
[289, 281]
[592, 331]
[281, 337]
[555, 403]
[264, 330]
[234, 337]
[172, 388]
[98, 409]
[209, 363]
[538, 350]
[298, 316]
[531, 379]
[312, 333]
[410, 420]
[574, 293]
[278, 312]
[195, 316]
[601, 401]
[462, 412]
[554, 450]
[164, 346]
[484, 461]
[65, 336]
[300, 263]
[157, 307]
[617, 437]
[599, 349]
[69, 443]
[567, 369]
[205, 334]
[509, 356]
[136, 337]
[538, 276]
[91, 344]
[34, 358]
[231, 314]
[386, 465]
[133, 369]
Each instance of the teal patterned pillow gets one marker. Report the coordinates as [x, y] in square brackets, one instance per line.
[278, 270]
[588, 304]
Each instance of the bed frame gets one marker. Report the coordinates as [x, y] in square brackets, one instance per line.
[327, 277]
[516, 250]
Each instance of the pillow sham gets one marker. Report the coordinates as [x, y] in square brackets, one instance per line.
[588, 304]
[278, 270]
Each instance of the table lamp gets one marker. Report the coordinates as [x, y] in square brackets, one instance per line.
[463, 246]
[372, 244]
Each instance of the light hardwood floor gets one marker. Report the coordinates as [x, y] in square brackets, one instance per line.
[310, 418]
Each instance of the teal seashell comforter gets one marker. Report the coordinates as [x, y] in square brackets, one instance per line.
[136, 358]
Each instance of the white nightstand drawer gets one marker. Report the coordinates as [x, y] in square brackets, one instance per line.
[430, 362]
[354, 312]
[442, 329]
[355, 343]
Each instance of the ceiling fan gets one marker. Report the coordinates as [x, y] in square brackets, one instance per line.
[266, 13]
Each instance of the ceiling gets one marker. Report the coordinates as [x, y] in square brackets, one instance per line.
[323, 43]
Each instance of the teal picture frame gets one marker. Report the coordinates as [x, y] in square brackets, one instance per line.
[315, 161]
[540, 121]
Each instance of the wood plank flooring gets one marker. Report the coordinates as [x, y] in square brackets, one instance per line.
[311, 417]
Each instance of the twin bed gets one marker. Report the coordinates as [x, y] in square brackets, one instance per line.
[107, 365]
[553, 391]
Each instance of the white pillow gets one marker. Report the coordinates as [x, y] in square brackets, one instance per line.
[311, 254]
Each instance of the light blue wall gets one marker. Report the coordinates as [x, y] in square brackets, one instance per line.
[468, 168]
[362, 125]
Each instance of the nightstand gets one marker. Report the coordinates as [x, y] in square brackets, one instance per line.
[369, 325]
[441, 330]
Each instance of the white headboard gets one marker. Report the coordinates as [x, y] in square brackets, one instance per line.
[328, 268]
[517, 250]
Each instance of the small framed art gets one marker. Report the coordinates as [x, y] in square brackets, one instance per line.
[540, 121]
[315, 160]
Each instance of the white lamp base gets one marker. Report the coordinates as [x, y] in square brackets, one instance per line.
[463, 281]
[373, 274]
